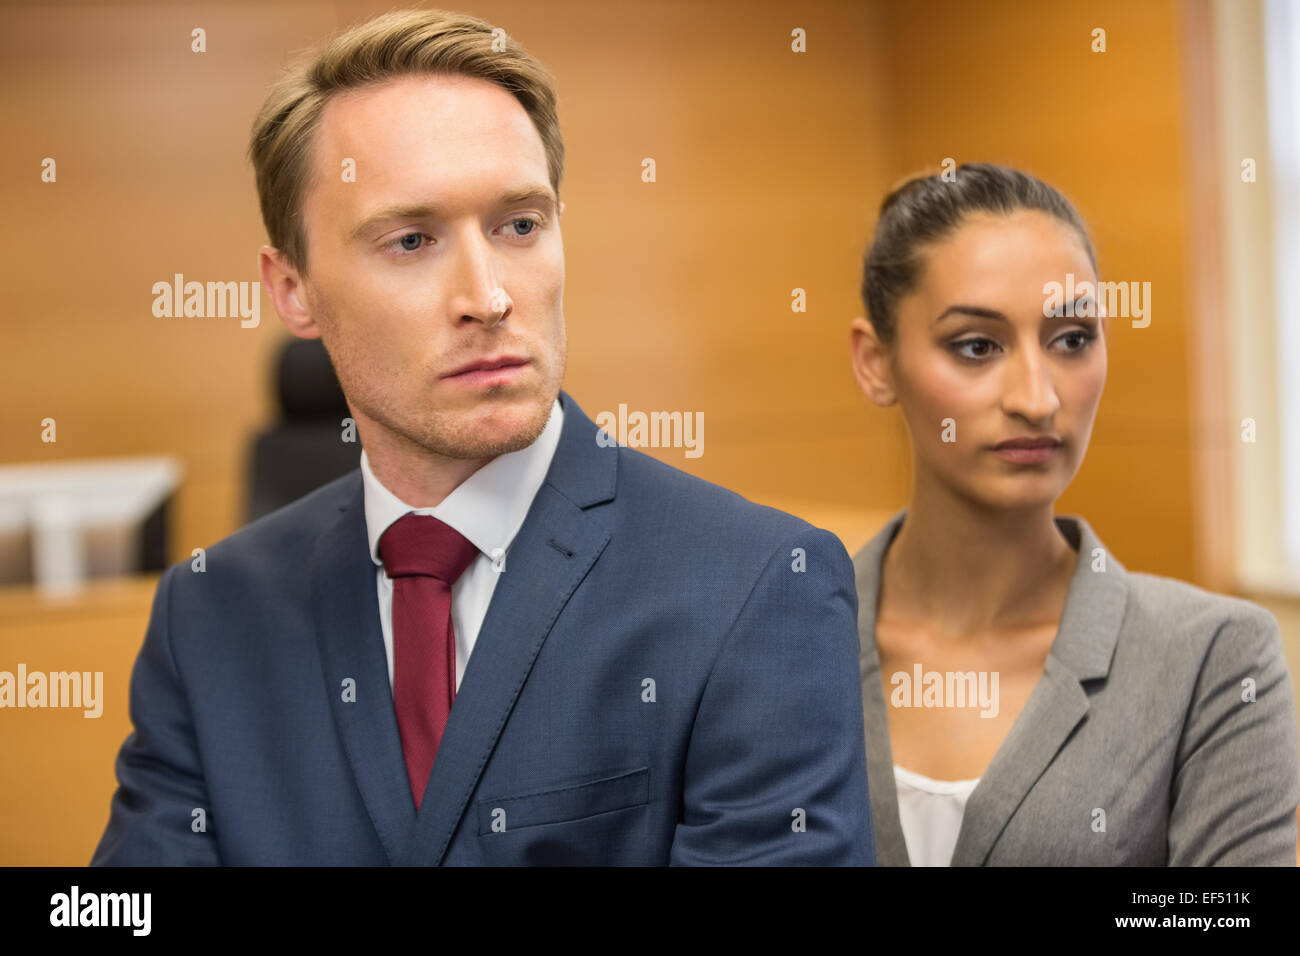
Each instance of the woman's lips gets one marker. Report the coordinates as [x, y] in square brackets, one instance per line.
[1027, 456]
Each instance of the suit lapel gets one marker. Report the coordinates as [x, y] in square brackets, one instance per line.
[555, 549]
[1081, 651]
[351, 641]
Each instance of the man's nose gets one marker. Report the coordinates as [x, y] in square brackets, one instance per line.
[477, 290]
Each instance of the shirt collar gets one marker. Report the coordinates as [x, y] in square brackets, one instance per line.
[488, 507]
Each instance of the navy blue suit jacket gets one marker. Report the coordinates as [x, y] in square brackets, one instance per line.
[655, 682]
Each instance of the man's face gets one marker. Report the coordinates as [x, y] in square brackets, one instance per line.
[444, 252]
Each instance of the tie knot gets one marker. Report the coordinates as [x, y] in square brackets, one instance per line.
[421, 544]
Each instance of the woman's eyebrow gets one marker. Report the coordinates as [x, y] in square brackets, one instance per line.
[971, 310]
[1081, 306]
[979, 312]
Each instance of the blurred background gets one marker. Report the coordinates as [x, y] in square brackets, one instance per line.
[132, 439]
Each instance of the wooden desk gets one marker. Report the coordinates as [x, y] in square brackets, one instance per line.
[59, 763]
[54, 801]
[59, 780]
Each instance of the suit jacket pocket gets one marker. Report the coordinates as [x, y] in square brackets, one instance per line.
[569, 802]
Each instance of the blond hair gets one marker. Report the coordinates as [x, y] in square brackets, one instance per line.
[400, 43]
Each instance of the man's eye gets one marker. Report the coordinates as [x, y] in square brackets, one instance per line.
[403, 245]
[529, 222]
[973, 348]
[411, 242]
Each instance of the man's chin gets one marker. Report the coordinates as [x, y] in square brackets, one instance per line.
[494, 428]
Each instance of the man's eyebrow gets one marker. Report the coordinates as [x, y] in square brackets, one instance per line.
[428, 211]
[422, 211]
[513, 196]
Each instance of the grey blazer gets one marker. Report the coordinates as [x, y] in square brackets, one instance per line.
[1139, 723]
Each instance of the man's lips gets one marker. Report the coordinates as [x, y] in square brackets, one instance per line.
[489, 371]
[486, 364]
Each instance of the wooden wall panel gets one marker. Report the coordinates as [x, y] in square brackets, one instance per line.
[770, 168]
[1016, 82]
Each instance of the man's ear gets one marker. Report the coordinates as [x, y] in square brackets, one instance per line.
[287, 292]
[561, 208]
[870, 359]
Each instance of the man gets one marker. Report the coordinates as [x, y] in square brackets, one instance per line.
[501, 640]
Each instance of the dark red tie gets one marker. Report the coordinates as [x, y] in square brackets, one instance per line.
[424, 557]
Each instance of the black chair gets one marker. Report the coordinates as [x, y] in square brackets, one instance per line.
[306, 449]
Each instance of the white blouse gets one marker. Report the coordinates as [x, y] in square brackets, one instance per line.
[931, 812]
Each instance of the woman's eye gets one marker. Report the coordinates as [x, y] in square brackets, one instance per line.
[1078, 339]
[973, 348]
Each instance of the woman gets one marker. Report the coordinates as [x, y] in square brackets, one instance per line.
[1027, 700]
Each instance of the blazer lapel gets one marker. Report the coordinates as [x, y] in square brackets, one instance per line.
[351, 641]
[891, 848]
[1055, 707]
[554, 550]
[1081, 651]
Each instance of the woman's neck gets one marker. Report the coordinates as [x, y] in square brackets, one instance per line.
[963, 569]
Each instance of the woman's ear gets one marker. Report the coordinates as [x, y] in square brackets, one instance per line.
[870, 359]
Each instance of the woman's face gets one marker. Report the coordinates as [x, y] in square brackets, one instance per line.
[974, 362]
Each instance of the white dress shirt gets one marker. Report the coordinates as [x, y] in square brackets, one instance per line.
[930, 812]
[488, 508]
